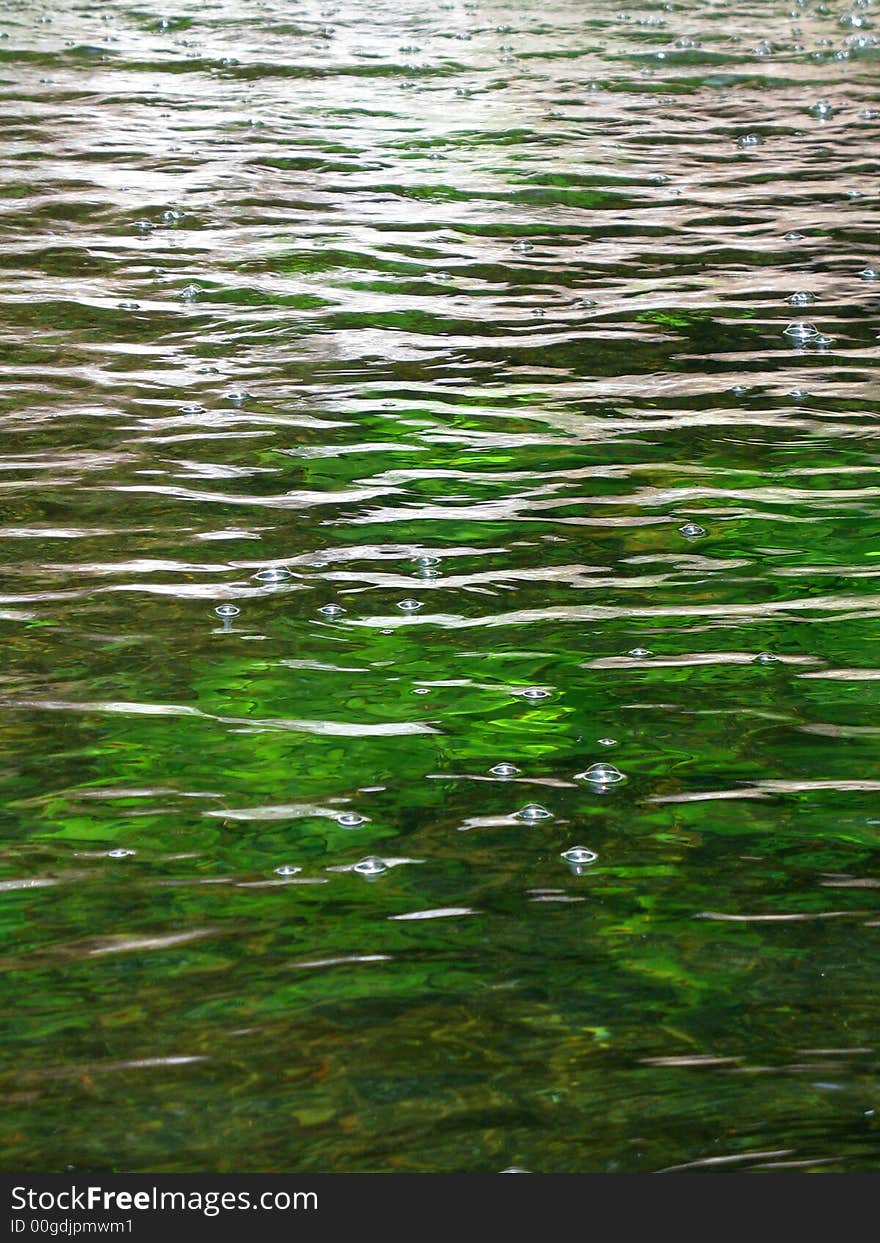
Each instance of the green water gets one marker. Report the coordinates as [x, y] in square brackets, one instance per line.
[265, 303]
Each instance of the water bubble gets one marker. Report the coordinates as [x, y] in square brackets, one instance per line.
[518, 1169]
[579, 855]
[607, 742]
[750, 140]
[372, 865]
[119, 853]
[505, 770]
[794, 237]
[820, 340]
[533, 812]
[766, 658]
[601, 775]
[409, 606]
[287, 869]
[801, 297]
[426, 561]
[129, 306]
[173, 215]
[238, 395]
[800, 330]
[535, 693]
[870, 274]
[143, 226]
[189, 293]
[691, 530]
[273, 574]
[227, 610]
[350, 819]
[522, 247]
[332, 610]
[822, 109]
[640, 653]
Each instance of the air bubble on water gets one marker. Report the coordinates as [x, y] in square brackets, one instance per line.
[607, 742]
[801, 330]
[331, 610]
[287, 869]
[129, 306]
[691, 530]
[227, 610]
[766, 658]
[189, 293]
[119, 853]
[409, 605]
[870, 274]
[522, 247]
[533, 812]
[273, 574]
[372, 865]
[801, 297]
[426, 561]
[793, 237]
[518, 1169]
[579, 855]
[173, 215]
[822, 109]
[820, 340]
[535, 693]
[750, 140]
[505, 770]
[601, 775]
[191, 407]
[350, 819]
[640, 653]
[238, 395]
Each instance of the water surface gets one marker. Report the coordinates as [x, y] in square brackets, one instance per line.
[470, 323]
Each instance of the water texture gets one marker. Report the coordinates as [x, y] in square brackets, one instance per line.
[405, 410]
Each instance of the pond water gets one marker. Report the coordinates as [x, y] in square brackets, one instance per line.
[407, 409]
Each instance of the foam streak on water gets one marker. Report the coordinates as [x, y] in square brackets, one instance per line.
[400, 405]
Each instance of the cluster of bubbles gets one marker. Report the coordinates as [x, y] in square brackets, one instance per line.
[599, 776]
